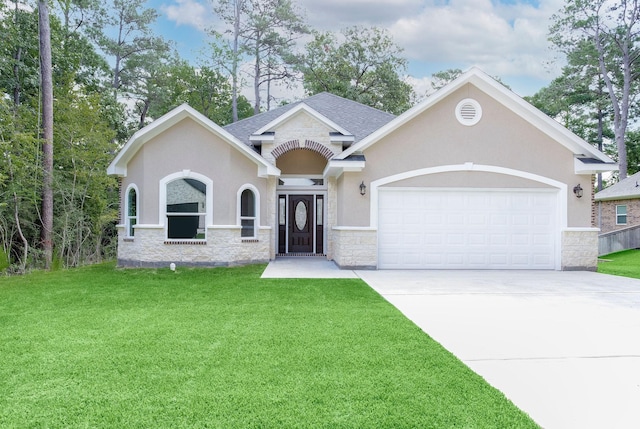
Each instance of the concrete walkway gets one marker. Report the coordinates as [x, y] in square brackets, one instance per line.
[312, 267]
[563, 346]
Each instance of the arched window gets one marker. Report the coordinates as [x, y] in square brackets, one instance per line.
[186, 209]
[249, 208]
[131, 210]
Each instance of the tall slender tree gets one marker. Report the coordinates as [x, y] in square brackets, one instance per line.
[262, 31]
[46, 83]
[613, 29]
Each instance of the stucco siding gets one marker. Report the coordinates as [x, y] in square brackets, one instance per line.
[501, 138]
[188, 146]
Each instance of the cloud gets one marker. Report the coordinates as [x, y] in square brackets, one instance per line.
[338, 14]
[188, 12]
[503, 39]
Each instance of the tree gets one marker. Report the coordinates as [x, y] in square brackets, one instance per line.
[85, 119]
[442, 78]
[46, 82]
[131, 26]
[203, 88]
[231, 11]
[365, 67]
[263, 30]
[613, 29]
[577, 99]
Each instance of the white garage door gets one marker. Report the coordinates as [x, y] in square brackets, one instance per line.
[466, 229]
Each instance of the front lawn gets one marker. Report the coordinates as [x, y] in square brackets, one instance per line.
[99, 347]
[625, 263]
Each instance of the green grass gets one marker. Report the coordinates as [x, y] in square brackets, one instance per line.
[99, 347]
[625, 263]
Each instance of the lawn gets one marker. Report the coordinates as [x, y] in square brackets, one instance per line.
[99, 347]
[625, 263]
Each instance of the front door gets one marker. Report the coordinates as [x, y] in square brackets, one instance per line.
[301, 223]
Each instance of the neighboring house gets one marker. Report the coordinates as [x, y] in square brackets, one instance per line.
[618, 206]
[473, 177]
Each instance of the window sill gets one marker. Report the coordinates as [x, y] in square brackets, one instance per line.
[186, 242]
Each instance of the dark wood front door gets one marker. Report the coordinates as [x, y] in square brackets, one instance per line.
[301, 223]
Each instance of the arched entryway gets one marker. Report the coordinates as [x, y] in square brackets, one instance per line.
[302, 196]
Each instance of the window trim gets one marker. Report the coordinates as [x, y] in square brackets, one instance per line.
[127, 217]
[626, 214]
[208, 216]
[255, 217]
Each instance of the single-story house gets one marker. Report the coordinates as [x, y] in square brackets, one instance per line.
[618, 206]
[473, 177]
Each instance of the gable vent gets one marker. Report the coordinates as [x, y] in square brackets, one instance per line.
[468, 112]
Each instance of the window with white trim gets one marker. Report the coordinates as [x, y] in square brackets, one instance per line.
[248, 210]
[131, 210]
[621, 215]
[186, 209]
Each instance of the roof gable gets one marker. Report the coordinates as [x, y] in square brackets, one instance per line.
[355, 118]
[623, 190]
[118, 166]
[301, 107]
[513, 102]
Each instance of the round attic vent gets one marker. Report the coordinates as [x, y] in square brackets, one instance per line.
[468, 112]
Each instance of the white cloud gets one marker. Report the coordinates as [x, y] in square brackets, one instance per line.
[338, 14]
[505, 38]
[502, 39]
[188, 12]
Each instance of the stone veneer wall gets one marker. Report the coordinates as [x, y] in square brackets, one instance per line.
[355, 248]
[223, 247]
[580, 249]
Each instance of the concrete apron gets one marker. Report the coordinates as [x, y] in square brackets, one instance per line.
[305, 267]
[562, 346]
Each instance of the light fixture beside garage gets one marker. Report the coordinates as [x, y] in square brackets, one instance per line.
[363, 188]
[578, 190]
[468, 112]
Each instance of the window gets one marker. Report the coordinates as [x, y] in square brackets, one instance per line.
[186, 209]
[131, 210]
[248, 211]
[621, 215]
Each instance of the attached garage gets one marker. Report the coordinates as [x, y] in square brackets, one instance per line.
[467, 228]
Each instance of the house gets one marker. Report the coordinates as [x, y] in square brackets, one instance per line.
[618, 206]
[473, 177]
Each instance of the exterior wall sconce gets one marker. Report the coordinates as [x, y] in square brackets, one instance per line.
[363, 188]
[578, 190]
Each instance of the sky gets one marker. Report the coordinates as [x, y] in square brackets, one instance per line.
[504, 38]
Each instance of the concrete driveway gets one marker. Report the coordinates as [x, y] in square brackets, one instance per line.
[563, 346]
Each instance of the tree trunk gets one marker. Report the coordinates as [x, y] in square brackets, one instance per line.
[46, 82]
[235, 60]
[256, 76]
[16, 70]
[25, 243]
[143, 114]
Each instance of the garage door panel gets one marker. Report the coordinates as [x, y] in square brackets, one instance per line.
[467, 229]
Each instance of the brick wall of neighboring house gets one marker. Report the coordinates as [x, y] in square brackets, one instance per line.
[607, 211]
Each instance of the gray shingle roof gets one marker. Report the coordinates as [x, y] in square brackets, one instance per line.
[623, 190]
[358, 119]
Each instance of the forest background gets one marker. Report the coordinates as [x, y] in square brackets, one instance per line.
[111, 75]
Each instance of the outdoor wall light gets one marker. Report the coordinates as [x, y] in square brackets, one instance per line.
[363, 188]
[578, 190]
